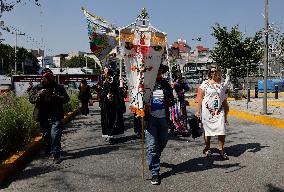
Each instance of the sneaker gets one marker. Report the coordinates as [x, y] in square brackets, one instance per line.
[155, 180]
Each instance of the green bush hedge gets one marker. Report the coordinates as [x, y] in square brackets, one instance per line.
[72, 104]
[17, 127]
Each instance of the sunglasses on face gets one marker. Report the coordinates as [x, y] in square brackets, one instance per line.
[213, 71]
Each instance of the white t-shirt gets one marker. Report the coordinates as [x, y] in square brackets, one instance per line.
[158, 104]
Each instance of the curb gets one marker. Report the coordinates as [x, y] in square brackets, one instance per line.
[262, 119]
[70, 115]
[17, 161]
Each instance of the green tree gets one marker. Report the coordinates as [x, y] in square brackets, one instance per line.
[7, 60]
[233, 50]
[80, 61]
[276, 44]
[29, 60]
[280, 46]
[8, 6]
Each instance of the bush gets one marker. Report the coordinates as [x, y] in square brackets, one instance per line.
[17, 127]
[72, 104]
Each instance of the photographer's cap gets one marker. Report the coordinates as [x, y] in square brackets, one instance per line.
[46, 73]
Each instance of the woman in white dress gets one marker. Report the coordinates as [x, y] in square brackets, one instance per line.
[213, 109]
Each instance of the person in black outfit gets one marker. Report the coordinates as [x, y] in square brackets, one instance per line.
[84, 96]
[112, 105]
[48, 98]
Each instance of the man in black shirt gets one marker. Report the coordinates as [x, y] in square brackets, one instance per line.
[48, 98]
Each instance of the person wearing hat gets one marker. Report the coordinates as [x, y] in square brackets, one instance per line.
[48, 98]
[156, 133]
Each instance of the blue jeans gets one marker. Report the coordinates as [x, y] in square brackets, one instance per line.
[52, 131]
[156, 139]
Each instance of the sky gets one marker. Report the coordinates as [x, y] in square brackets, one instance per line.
[62, 27]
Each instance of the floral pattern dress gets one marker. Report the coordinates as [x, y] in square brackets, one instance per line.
[212, 112]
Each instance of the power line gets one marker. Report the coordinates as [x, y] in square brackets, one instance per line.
[29, 39]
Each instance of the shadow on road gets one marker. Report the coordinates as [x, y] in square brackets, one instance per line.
[202, 163]
[34, 171]
[239, 149]
[195, 165]
[271, 188]
[88, 152]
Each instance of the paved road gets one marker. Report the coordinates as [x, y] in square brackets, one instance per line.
[90, 164]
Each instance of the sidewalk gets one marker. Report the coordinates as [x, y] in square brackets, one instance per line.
[252, 111]
[275, 107]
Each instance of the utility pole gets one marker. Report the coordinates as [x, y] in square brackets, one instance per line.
[266, 60]
[196, 57]
[247, 86]
[16, 50]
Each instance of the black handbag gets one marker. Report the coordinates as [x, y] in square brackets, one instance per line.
[195, 127]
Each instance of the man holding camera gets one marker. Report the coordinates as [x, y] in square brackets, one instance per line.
[48, 98]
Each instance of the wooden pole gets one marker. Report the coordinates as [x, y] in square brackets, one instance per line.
[142, 147]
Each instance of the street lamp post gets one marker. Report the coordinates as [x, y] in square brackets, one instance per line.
[16, 50]
[266, 60]
[196, 58]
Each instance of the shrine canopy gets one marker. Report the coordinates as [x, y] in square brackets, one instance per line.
[143, 50]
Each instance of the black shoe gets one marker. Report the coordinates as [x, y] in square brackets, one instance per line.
[47, 152]
[56, 159]
[112, 141]
[223, 155]
[155, 180]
